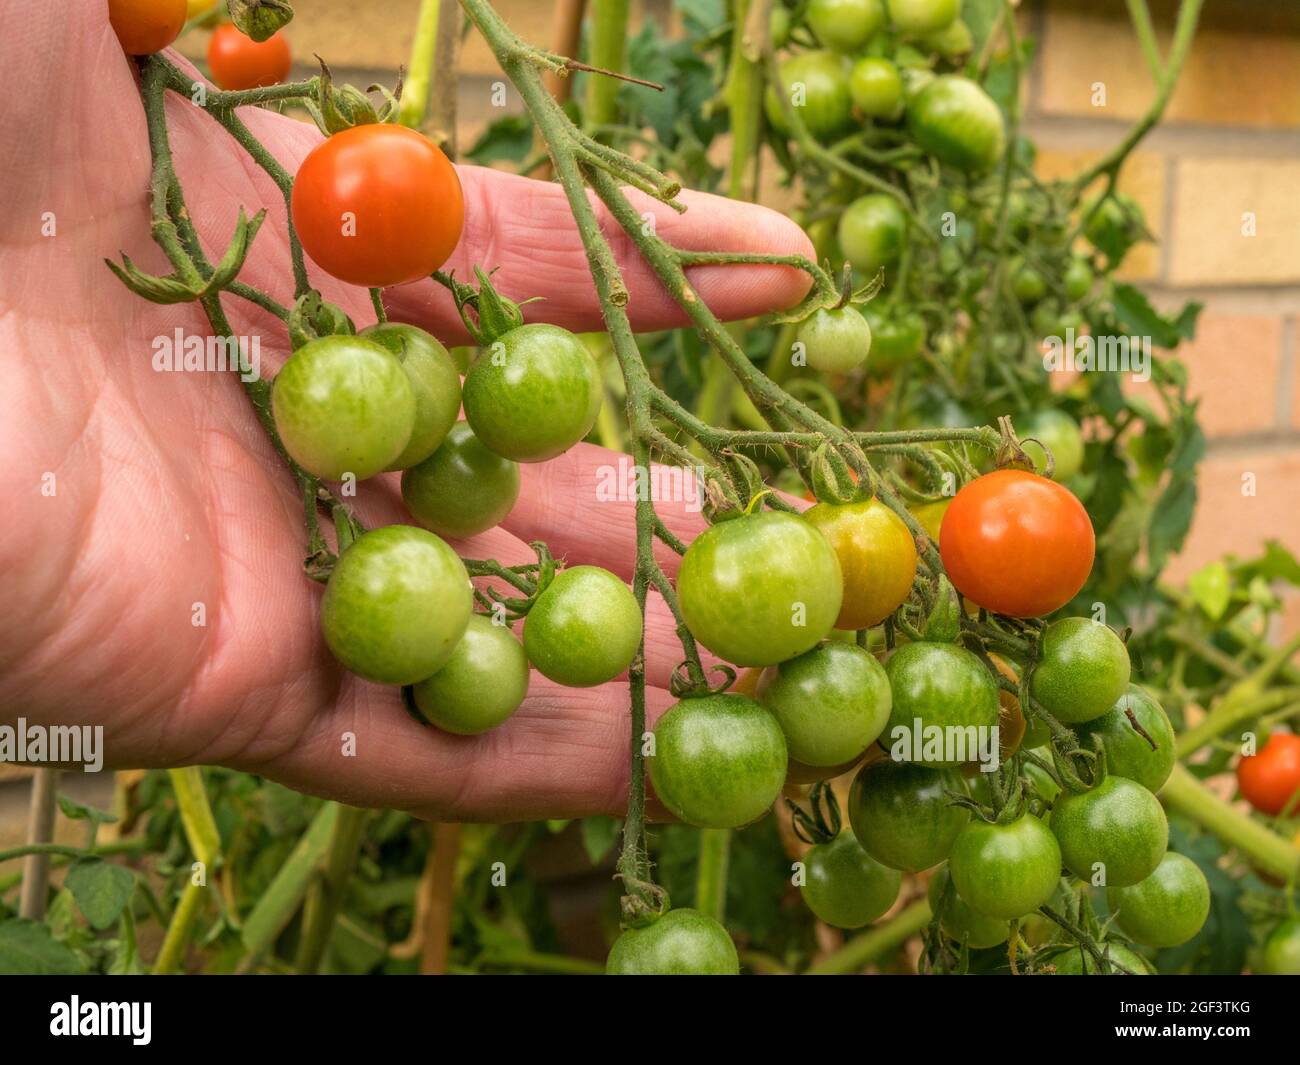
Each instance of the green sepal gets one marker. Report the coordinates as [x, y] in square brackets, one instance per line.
[944, 621]
[312, 318]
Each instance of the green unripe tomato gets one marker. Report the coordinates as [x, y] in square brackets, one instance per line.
[831, 702]
[760, 588]
[396, 605]
[1005, 871]
[958, 123]
[435, 383]
[902, 815]
[1114, 226]
[876, 88]
[1281, 955]
[1166, 908]
[871, 232]
[952, 42]
[584, 629]
[942, 686]
[836, 340]
[960, 921]
[778, 25]
[817, 85]
[1077, 280]
[1063, 438]
[1027, 283]
[845, 25]
[922, 16]
[895, 338]
[533, 393]
[343, 405]
[1127, 753]
[719, 761]
[1117, 828]
[462, 488]
[680, 943]
[1075, 961]
[844, 886]
[1083, 667]
[480, 685]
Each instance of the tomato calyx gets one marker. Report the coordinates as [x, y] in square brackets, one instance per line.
[493, 315]
[259, 19]
[834, 481]
[687, 682]
[644, 903]
[1010, 453]
[943, 624]
[821, 821]
[312, 318]
[731, 487]
[337, 109]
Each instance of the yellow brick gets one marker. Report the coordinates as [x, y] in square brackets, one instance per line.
[1143, 178]
[1243, 68]
[1207, 243]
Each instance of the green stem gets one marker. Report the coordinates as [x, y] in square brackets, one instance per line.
[609, 32]
[711, 876]
[743, 95]
[415, 88]
[180, 929]
[1230, 713]
[877, 943]
[196, 815]
[326, 895]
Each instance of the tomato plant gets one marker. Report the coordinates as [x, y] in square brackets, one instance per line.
[1165, 908]
[396, 605]
[1083, 667]
[1116, 829]
[462, 488]
[146, 26]
[819, 90]
[239, 62]
[1005, 870]
[957, 122]
[1016, 543]
[837, 340]
[533, 393]
[876, 88]
[1128, 752]
[679, 943]
[719, 760]
[584, 629]
[760, 588]
[1270, 779]
[434, 382]
[876, 555]
[832, 702]
[845, 25]
[378, 205]
[846, 887]
[902, 816]
[480, 685]
[1075, 961]
[343, 405]
[939, 686]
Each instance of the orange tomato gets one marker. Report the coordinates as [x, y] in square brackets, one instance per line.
[239, 62]
[146, 26]
[1268, 779]
[877, 558]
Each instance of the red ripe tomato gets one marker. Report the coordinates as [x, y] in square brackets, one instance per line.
[1016, 543]
[146, 26]
[239, 62]
[1269, 779]
[378, 205]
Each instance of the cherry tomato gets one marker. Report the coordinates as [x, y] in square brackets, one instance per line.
[1077, 280]
[480, 685]
[1083, 667]
[533, 394]
[939, 686]
[845, 25]
[462, 488]
[1128, 754]
[1061, 434]
[817, 86]
[1016, 543]
[902, 816]
[378, 205]
[584, 629]
[952, 42]
[845, 887]
[1281, 955]
[831, 702]
[960, 921]
[1113, 226]
[958, 123]
[761, 588]
[146, 26]
[1027, 284]
[1268, 779]
[778, 25]
[396, 605]
[434, 380]
[1005, 871]
[877, 559]
[1075, 961]
[871, 232]
[719, 761]
[343, 404]
[895, 339]
[876, 88]
[1166, 908]
[239, 62]
[836, 340]
[680, 943]
[923, 16]
[1116, 828]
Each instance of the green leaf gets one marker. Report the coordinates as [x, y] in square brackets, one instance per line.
[599, 834]
[101, 889]
[75, 811]
[1211, 588]
[259, 19]
[508, 139]
[28, 949]
[1172, 518]
[1139, 318]
[1275, 564]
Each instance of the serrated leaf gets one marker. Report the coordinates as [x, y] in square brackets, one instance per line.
[1139, 318]
[101, 889]
[28, 949]
[1171, 519]
[1211, 588]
